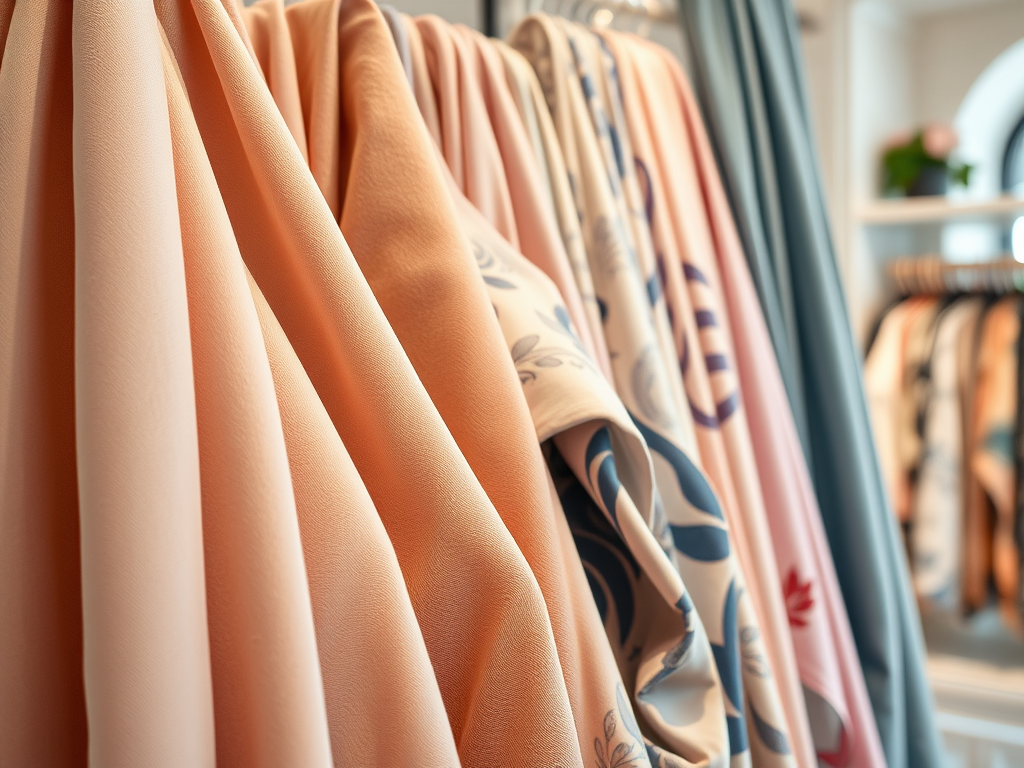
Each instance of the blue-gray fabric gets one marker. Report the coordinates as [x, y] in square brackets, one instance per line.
[748, 75]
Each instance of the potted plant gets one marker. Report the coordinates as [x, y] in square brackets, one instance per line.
[920, 164]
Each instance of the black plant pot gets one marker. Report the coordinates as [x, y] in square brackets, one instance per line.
[931, 180]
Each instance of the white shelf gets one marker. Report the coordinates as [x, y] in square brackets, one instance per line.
[920, 210]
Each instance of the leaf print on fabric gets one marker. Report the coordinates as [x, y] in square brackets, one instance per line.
[661, 759]
[562, 324]
[754, 661]
[773, 738]
[530, 359]
[497, 282]
[624, 754]
[611, 568]
[706, 543]
[524, 345]
[798, 598]
[610, 577]
[609, 250]
[626, 713]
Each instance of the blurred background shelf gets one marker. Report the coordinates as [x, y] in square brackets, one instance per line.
[922, 210]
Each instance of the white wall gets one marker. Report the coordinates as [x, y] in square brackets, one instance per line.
[952, 48]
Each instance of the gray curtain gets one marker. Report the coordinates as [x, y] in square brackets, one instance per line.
[748, 75]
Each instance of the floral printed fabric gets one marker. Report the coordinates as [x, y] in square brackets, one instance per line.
[657, 137]
[567, 61]
[604, 475]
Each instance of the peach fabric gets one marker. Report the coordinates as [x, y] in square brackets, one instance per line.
[421, 82]
[836, 698]
[658, 140]
[989, 546]
[411, 246]
[475, 163]
[221, 524]
[658, 638]
[272, 45]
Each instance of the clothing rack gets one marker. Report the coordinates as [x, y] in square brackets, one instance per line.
[598, 12]
[932, 275]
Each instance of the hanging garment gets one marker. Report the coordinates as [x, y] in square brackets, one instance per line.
[609, 128]
[643, 375]
[492, 135]
[938, 504]
[219, 519]
[748, 76]
[888, 373]
[673, 151]
[1018, 466]
[702, 345]
[919, 341]
[676, 650]
[466, 575]
[989, 547]
[604, 474]
[800, 544]
[544, 139]
[456, 344]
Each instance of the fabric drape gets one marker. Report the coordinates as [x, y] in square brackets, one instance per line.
[748, 76]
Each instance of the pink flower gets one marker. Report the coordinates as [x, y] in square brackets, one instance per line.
[939, 140]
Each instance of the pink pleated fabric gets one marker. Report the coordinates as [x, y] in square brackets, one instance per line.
[223, 530]
[703, 343]
[833, 687]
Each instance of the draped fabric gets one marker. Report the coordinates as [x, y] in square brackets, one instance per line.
[240, 599]
[373, 393]
[989, 547]
[573, 77]
[459, 341]
[667, 648]
[701, 257]
[938, 519]
[748, 76]
[533, 110]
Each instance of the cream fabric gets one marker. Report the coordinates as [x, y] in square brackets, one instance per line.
[937, 520]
